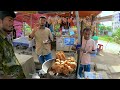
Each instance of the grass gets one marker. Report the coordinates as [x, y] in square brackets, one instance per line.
[106, 38]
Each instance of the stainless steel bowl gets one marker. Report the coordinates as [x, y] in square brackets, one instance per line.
[47, 64]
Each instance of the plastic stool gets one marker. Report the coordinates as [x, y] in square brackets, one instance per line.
[100, 47]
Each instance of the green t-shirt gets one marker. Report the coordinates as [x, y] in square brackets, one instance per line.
[95, 37]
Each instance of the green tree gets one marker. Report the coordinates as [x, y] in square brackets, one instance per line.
[109, 28]
[102, 27]
[117, 36]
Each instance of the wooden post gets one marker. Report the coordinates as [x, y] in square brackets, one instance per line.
[79, 42]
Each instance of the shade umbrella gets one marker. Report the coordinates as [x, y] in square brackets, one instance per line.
[81, 13]
[30, 19]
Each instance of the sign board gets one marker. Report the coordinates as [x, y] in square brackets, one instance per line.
[69, 41]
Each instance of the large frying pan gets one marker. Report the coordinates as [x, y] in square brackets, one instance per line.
[47, 64]
[46, 67]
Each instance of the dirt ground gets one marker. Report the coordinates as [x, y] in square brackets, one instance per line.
[108, 59]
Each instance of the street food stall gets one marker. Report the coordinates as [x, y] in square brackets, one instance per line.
[86, 19]
[54, 67]
[64, 41]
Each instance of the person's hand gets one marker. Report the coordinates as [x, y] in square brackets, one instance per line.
[36, 27]
[34, 30]
[73, 47]
[83, 50]
[46, 41]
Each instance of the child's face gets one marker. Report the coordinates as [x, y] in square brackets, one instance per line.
[87, 35]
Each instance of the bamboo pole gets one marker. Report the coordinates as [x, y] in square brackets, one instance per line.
[79, 42]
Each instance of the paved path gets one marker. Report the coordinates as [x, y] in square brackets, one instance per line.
[109, 60]
[110, 47]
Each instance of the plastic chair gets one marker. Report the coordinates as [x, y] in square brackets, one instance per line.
[100, 47]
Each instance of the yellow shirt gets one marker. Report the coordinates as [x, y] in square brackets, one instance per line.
[40, 36]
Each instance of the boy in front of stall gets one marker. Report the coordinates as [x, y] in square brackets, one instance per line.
[87, 48]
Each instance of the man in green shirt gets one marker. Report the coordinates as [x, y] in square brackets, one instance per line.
[9, 64]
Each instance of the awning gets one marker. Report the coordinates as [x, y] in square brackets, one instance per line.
[71, 13]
